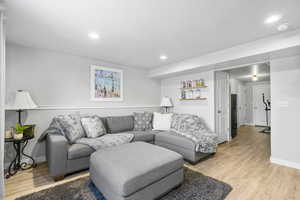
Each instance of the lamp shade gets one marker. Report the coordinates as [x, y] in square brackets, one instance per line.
[23, 101]
[166, 102]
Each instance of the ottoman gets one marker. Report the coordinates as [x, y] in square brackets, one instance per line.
[136, 171]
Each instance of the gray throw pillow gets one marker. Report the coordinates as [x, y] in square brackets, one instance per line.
[93, 126]
[71, 127]
[142, 121]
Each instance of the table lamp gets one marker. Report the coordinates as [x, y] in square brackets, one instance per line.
[166, 103]
[23, 101]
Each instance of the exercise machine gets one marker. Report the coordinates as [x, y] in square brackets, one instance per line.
[267, 104]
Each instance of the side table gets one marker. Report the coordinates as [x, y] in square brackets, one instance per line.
[17, 164]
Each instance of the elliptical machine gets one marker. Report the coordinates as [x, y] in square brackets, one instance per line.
[267, 104]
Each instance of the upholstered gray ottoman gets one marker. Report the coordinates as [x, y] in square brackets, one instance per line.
[136, 171]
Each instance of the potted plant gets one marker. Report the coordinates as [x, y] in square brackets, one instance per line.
[30, 131]
[19, 130]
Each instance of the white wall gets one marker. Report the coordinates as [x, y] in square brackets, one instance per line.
[61, 80]
[203, 108]
[234, 86]
[285, 87]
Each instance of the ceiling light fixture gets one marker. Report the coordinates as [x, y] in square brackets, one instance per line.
[93, 35]
[163, 57]
[272, 19]
[283, 27]
[254, 77]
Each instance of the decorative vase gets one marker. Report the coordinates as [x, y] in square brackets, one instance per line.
[8, 134]
[18, 136]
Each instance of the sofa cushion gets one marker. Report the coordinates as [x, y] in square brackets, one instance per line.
[129, 168]
[76, 151]
[144, 136]
[173, 138]
[119, 124]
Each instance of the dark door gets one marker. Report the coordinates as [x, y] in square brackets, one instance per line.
[233, 115]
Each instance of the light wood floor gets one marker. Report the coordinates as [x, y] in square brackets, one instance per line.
[243, 163]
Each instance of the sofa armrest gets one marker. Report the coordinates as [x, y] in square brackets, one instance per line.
[57, 154]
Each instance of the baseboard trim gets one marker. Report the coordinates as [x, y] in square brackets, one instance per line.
[285, 163]
[247, 124]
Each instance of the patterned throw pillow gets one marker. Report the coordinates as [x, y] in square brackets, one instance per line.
[142, 121]
[175, 122]
[93, 126]
[149, 118]
[187, 123]
[71, 127]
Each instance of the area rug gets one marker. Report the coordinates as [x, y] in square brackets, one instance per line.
[196, 186]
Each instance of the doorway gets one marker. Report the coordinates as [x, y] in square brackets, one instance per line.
[239, 99]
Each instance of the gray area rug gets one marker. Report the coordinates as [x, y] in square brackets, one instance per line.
[195, 187]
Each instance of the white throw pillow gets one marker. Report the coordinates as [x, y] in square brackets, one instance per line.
[162, 122]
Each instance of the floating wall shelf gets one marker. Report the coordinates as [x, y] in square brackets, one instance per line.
[191, 90]
[194, 88]
[202, 98]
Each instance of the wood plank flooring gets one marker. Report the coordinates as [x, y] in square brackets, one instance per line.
[243, 163]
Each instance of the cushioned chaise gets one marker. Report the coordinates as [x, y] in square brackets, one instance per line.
[136, 171]
[180, 144]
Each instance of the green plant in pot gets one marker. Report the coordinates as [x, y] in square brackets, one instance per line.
[19, 130]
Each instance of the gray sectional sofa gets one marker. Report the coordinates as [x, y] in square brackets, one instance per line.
[64, 158]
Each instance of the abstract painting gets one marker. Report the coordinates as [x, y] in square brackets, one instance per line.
[106, 84]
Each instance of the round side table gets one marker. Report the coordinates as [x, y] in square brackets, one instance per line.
[17, 164]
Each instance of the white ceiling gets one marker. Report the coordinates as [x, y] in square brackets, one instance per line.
[136, 32]
[244, 74]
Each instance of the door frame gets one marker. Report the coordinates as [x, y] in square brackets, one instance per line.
[2, 98]
[222, 68]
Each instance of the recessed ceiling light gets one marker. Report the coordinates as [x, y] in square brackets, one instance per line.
[163, 57]
[254, 77]
[93, 35]
[272, 19]
[283, 27]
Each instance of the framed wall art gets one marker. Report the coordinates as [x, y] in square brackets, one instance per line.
[106, 84]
